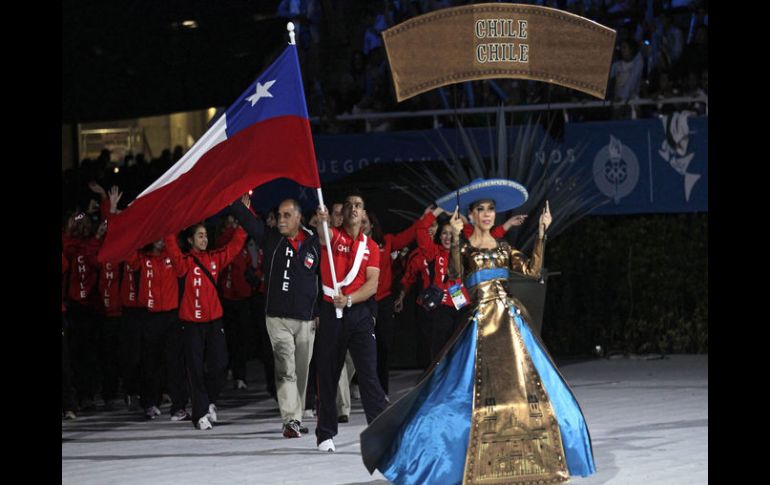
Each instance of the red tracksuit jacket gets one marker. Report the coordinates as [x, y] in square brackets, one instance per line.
[391, 242]
[81, 254]
[200, 301]
[234, 284]
[158, 283]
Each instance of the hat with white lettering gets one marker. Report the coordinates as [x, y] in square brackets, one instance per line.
[507, 195]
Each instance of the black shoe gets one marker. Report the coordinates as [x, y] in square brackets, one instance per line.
[343, 418]
[303, 429]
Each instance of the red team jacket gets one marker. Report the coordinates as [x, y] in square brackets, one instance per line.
[415, 265]
[234, 284]
[109, 290]
[110, 303]
[434, 253]
[391, 242]
[200, 302]
[81, 254]
[344, 249]
[158, 284]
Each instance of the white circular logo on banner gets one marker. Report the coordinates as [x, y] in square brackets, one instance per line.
[616, 170]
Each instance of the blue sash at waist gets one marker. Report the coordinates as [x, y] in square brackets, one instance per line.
[485, 275]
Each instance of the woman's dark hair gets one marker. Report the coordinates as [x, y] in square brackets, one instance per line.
[442, 221]
[190, 232]
[80, 226]
[480, 201]
[354, 192]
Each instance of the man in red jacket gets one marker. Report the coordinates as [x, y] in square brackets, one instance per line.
[356, 265]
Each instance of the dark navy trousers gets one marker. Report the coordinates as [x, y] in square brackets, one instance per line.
[354, 332]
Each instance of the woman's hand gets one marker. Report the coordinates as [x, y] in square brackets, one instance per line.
[457, 223]
[545, 220]
[514, 221]
[115, 195]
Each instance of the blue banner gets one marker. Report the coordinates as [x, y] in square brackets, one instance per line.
[646, 166]
[642, 166]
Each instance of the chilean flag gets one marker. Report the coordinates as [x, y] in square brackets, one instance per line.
[263, 136]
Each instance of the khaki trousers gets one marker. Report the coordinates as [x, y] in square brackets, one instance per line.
[292, 342]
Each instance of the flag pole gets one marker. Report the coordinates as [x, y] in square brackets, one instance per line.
[329, 251]
[290, 28]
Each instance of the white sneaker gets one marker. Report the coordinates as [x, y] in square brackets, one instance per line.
[309, 414]
[212, 414]
[204, 423]
[326, 445]
[240, 384]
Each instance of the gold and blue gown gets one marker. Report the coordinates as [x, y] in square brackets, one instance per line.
[492, 408]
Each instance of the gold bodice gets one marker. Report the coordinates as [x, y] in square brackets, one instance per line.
[466, 260]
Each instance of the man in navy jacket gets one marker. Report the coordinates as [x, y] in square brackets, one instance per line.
[292, 258]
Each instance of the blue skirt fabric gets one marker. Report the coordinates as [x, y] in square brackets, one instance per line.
[431, 444]
[572, 425]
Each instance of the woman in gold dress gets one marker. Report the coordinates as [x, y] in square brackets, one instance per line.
[492, 408]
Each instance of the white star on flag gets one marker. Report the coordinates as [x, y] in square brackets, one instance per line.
[262, 92]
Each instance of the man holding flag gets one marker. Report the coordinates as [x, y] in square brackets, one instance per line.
[346, 321]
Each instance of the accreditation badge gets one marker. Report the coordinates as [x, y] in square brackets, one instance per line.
[459, 294]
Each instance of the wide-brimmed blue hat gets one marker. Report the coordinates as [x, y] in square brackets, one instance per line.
[507, 195]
